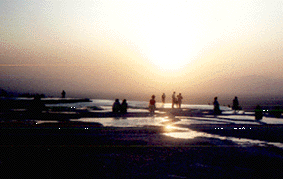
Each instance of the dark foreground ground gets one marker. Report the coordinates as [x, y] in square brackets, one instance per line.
[92, 151]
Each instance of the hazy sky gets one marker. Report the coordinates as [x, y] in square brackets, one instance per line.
[133, 49]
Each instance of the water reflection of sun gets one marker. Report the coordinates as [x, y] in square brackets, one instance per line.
[180, 133]
[168, 128]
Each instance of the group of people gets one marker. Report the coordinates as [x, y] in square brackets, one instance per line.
[236, 107]
[176, 100]
[120, 108]
[216, 109]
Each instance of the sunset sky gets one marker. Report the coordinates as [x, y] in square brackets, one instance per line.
[133, 49]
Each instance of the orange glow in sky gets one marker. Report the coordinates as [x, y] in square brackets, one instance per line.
[138, 48]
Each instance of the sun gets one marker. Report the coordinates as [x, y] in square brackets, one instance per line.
[170, 58]
[169, 64]
[172, 52]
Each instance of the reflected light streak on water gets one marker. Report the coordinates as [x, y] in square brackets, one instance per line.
[169, 129]
[173, 131]
[127, 122]
[190, 134]
[44, 122]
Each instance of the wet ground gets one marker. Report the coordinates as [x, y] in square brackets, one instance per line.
[160, 146]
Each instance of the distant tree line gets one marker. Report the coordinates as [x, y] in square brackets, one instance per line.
[4, 93]
[28, 95]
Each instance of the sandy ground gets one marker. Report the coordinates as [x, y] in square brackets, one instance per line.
[90, 150]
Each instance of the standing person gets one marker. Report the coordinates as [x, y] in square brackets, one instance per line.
[179, 96]
[124, 106]
[216, 107]
[37, 106]
[258, 113]
[152, 104]
[173, 99]
[116, 106]
[235, 104]
[63, 94]
[163, 98]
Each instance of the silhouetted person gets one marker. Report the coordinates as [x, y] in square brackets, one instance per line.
[152, 104]
[173, 99]
[163, 98]
[63, 94]
[179, 97]
[124, 106]
[116, 106]
[235, 104]
[276, 112]
[216, 108]
[37, 106]
[258, 113]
